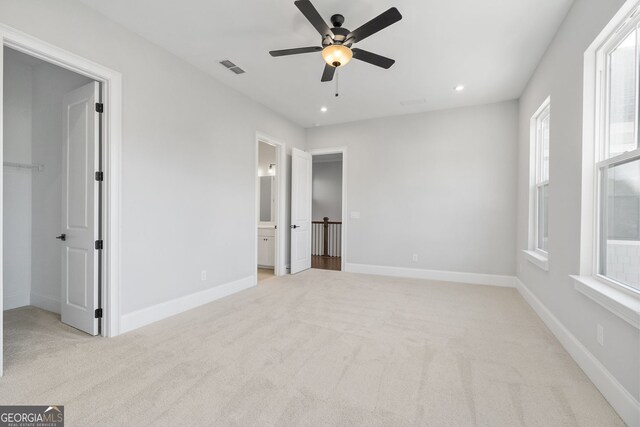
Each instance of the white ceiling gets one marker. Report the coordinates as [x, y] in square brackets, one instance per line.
[490, 46]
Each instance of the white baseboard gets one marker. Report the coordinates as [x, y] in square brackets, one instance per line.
[146, 316]
[445, 276]
[622, 401]
[45, 302]
[15, 301]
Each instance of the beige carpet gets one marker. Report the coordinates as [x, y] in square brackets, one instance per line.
[319, 348]
[265, 273]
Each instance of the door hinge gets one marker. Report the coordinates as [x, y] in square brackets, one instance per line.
[99, 107]
[99, 244]
[99, 176]
[98, 313]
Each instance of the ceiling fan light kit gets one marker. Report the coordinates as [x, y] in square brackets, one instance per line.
[337, 55]
[337, 42]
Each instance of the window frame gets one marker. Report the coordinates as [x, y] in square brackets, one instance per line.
[538, 181]
[616, 298]
[602, 162]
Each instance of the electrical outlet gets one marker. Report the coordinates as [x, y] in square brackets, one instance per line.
[415, 257]
[600, 335]
[355, 215]
[203, 275]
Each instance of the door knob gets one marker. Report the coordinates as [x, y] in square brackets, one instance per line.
[62, 237]
[294, 226]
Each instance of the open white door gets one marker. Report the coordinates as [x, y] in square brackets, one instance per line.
[80, 209]
[300, 211]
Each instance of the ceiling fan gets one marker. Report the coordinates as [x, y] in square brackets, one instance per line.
[337, 41]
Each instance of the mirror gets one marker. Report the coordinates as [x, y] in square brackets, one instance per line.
[266, 198]
[267, 171]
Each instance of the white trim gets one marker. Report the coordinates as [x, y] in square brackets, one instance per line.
[444, 276]
[148, 315]
[537, 258]
[622, 304]
[622, 401]
[626, 157]
[280, 267]
[112, 140]
[345, 225]
[595, 149]
[535, 167]
[590, 130]
[45, 302]
[1, 207]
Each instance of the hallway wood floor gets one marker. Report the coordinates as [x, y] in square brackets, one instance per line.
[326, 263]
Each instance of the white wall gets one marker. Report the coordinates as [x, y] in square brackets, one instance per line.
[440, 184]
[17, 185]
[188, 156]
[560, 75]
[327, 190]
[50, 84]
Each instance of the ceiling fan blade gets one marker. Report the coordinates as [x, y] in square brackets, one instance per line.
[312, 15]
[295, 51]
[327, 74]
[378, 23]
[372, 58]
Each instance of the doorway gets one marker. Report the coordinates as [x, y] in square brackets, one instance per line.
[51, 198]
[309, 229]
[326, 211]
[270, 179]
[111, 140]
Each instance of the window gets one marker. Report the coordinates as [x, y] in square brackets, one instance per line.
[617, 161]
[542, 178]
[539, 200]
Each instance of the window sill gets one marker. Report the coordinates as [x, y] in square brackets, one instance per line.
[537, 259]
[620, 303]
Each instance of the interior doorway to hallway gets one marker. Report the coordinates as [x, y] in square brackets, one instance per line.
[326, 211]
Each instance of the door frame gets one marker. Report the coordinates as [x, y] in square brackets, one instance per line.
[111, 85]
[280, 268]
[343, 151]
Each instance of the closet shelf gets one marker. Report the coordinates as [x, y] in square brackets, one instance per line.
[38, 168]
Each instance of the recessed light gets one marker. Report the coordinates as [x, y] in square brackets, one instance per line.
[459, 88]
[323, 109]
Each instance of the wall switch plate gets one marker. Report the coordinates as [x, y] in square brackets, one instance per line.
[203, 275]
[355, 215]
[600, 335]
[415, 257]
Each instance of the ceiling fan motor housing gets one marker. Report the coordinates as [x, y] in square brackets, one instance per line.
[337, 20]
[340, 36]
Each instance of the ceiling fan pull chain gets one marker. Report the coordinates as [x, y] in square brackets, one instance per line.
[337, 81]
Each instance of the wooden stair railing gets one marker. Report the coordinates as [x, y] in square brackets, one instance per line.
[326, 238]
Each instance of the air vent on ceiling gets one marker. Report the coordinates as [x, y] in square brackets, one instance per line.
[232, 67]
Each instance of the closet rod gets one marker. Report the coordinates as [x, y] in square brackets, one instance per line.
[38, 168]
